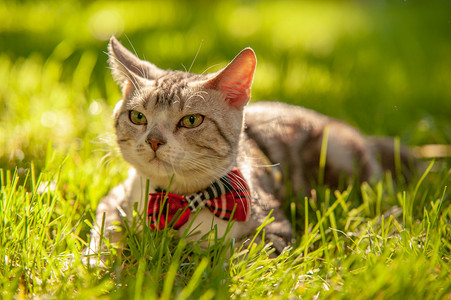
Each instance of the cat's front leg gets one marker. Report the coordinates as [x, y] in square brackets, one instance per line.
[109, 217]
[278, 232]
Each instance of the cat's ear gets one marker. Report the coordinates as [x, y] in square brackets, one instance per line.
[128, 70]
[235, 80]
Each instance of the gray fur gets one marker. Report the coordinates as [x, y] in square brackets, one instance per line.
[275, 134]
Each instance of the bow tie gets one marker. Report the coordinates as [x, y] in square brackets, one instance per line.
[230, 194]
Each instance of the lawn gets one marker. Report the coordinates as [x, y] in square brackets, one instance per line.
[382, 66]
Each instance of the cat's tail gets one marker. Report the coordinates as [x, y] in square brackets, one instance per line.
[395, 158]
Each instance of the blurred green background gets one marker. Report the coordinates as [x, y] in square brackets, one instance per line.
[383, 66]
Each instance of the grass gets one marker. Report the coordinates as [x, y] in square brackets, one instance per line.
[375, 65]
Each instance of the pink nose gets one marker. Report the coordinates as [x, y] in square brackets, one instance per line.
[155, 144]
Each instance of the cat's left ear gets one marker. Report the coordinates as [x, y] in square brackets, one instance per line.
[128, 70]
[235, 80]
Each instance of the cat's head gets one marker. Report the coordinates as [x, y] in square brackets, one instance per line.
[177, 124]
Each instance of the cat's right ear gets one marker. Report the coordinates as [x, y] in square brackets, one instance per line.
[235, 80]
[128, 70]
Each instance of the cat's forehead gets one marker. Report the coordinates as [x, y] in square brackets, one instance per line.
[175, 79]
[172, 89]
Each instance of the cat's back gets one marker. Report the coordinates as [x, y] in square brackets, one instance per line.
[276, 125]
[292, 137]
[275, 115]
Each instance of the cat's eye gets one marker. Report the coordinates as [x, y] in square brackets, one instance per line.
[137, 117]
[191, 121]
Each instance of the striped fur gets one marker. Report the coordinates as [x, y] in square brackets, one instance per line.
[169, 154]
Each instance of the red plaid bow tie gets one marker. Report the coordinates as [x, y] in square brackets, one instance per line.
[222, 197]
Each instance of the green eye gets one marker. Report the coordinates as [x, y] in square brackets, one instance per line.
[137, 117]
[191, 121]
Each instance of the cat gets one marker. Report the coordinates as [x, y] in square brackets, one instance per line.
[194, 138]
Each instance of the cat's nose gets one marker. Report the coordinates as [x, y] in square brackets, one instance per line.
[155, 144]
[155, 138]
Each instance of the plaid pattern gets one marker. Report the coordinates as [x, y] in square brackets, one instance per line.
[226, 196]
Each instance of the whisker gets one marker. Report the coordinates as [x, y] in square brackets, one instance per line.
[209, 68]
[197, 53]
[137, 88]
[197, 94]
[142, 70]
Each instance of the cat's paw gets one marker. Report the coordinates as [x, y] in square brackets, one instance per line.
[92, 256]
[279, 243]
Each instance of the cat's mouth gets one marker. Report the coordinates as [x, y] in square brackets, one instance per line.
[159, 163]
[157, 160]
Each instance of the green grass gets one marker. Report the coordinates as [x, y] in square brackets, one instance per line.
[383, 67]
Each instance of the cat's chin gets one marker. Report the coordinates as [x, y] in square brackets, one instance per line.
[179, 183]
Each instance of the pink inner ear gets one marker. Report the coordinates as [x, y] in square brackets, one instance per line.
[235, 80]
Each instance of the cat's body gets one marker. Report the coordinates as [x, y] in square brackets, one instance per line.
[184, 131]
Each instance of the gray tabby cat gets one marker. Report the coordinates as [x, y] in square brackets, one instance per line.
[187, 131]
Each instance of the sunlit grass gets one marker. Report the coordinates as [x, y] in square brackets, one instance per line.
[348, 249]
[375, 66]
